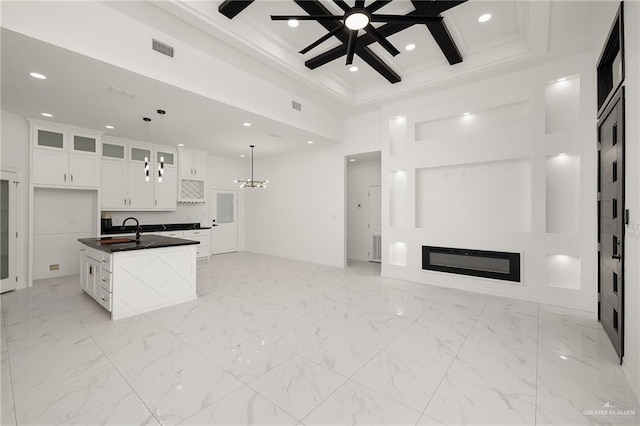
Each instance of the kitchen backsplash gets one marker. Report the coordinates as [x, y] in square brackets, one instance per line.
[186, 213]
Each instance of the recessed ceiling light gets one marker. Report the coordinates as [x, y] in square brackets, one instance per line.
[246, 124]
[242, 155]
[409, 47]
[309, 142]
[352, 159]
[180, 144]
[466, 113]
[46, 114]
[38, 75]
[293, 23]
[563, 357]
[562, 79]
[353, 68]
[109, 127]
[484, 18]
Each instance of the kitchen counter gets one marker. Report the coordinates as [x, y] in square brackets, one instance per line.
[153, 228]
[151, 241]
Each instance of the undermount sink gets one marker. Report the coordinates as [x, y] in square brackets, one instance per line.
[116, 240]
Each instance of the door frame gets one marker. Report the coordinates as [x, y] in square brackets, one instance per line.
[236, 211]
[619, 97]
[14, 179]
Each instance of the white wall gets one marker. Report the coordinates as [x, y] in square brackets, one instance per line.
[301, 214]
[360, 175]
[14, 157]
[445, 182]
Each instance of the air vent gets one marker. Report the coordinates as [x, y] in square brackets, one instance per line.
[163, 48]
[120, 92]
[296, 105]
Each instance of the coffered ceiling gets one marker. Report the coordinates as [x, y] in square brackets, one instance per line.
[517, 30]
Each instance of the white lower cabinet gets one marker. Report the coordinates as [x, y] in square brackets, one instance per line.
[95, 275]
[200, 235]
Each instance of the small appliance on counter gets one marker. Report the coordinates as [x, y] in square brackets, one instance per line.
[105, 222]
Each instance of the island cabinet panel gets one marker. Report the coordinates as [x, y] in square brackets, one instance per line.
[145, 280]
[141, 279]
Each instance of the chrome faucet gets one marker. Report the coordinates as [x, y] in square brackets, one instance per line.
[138, 229]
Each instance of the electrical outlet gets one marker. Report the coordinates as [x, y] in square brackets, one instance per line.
[54, 267]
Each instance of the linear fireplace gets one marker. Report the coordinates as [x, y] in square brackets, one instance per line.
[478, 263]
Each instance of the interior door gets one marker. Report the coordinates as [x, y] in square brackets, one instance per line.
[223, 213]
[375, 223]
[8, 234]
[611, 222]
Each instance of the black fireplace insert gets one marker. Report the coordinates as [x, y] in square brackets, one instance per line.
[478, 263]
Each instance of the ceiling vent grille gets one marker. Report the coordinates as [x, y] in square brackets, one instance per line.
[163, 48]
[296, 105]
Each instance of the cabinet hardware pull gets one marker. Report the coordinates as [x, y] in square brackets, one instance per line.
[71, 177]
[156, 202]
[65, 177]
[125, 201]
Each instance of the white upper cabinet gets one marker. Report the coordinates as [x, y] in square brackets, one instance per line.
[165, 184]
[193, 174]
[138, 176]
[64, 156]
[114, 190]
[193, 164]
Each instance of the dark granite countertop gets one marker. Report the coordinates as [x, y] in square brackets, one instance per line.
[146, 242]
[116, 229]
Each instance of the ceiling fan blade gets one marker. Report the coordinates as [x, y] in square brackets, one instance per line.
[305, 17]
[351, 46]
[320, 40]
[370, 29]
[378, 64]
[230, 8]
[377, 5]
[441, 35]
[406, 19]
[359, 4]
[435, 7]
[342, 5]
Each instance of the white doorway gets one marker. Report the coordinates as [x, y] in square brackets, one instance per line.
[223, 216]
[364, 208]
[8, 231]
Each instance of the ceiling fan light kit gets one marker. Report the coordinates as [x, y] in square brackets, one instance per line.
[346, 29]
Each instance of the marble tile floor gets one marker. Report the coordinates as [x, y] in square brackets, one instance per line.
[280, 342]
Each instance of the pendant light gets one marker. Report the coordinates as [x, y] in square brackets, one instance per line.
[252, 183]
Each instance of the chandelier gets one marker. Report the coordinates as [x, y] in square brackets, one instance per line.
[252, 183]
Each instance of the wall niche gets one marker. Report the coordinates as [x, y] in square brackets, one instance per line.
[562, 104]
[563, 194]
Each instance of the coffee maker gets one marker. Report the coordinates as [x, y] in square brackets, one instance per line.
[105, 222]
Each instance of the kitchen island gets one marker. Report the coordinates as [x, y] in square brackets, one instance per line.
[130, 277]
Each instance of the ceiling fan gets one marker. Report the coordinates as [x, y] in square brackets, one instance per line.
[346, 28]
[358, 18]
